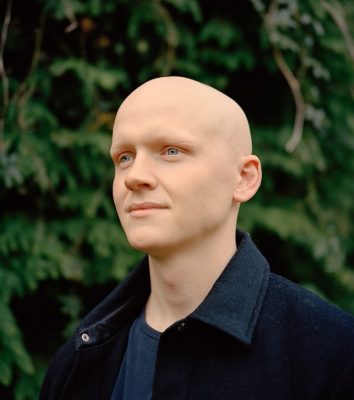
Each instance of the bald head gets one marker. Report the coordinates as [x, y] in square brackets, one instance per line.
[200, 106]
[186, 147]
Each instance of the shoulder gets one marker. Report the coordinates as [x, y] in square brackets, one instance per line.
[119, 306]
[58, 370]
[306, 313]
[296, 296]
[314, 335]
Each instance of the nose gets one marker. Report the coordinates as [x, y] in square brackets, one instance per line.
[140, 174]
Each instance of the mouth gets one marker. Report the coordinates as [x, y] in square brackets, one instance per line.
[144, 208]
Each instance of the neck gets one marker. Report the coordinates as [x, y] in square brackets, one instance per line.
[182, 280]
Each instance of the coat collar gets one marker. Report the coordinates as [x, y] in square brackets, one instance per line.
[232, 305]
[235, 300]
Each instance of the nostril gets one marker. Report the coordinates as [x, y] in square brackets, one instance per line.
[140, 179]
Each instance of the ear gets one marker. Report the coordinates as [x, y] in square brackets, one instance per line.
[249, 178]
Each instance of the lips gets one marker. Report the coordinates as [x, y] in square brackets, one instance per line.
[144, 206]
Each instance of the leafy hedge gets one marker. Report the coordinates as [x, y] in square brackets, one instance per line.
[67, 66]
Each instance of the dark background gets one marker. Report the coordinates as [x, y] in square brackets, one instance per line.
[68, 65]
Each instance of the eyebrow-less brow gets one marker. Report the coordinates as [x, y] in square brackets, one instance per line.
[170, 137]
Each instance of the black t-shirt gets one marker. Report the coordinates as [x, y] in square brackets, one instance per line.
[135, 378]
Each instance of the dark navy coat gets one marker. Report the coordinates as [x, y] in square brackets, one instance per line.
[256, 336]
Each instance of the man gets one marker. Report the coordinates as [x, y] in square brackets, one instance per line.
[201, 317]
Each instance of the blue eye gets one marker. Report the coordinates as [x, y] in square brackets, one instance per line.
[172, 151]
[124, 158]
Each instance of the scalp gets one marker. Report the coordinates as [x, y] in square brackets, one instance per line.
[200, 106]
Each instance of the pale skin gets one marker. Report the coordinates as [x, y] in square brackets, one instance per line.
[183, 165]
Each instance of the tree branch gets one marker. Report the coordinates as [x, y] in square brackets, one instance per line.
[26, 88]
[295, 88]
[4, 78]
[70, 15]
[167, 59]
[342, 25]
[292, 81]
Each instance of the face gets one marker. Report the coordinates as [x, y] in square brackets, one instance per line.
[174, 181]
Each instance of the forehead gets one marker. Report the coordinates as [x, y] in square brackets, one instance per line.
[181, 100]
[138, 120]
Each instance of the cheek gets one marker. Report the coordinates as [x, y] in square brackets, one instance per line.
[216, 194]
[115, 189]
[217, 182]
[117, 192]
[210, 189]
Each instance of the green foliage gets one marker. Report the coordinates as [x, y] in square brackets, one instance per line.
[288, 63]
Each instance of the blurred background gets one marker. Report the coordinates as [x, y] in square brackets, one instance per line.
[65, 67]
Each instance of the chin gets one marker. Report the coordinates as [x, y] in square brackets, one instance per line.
[147, 243]
[143, 242]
